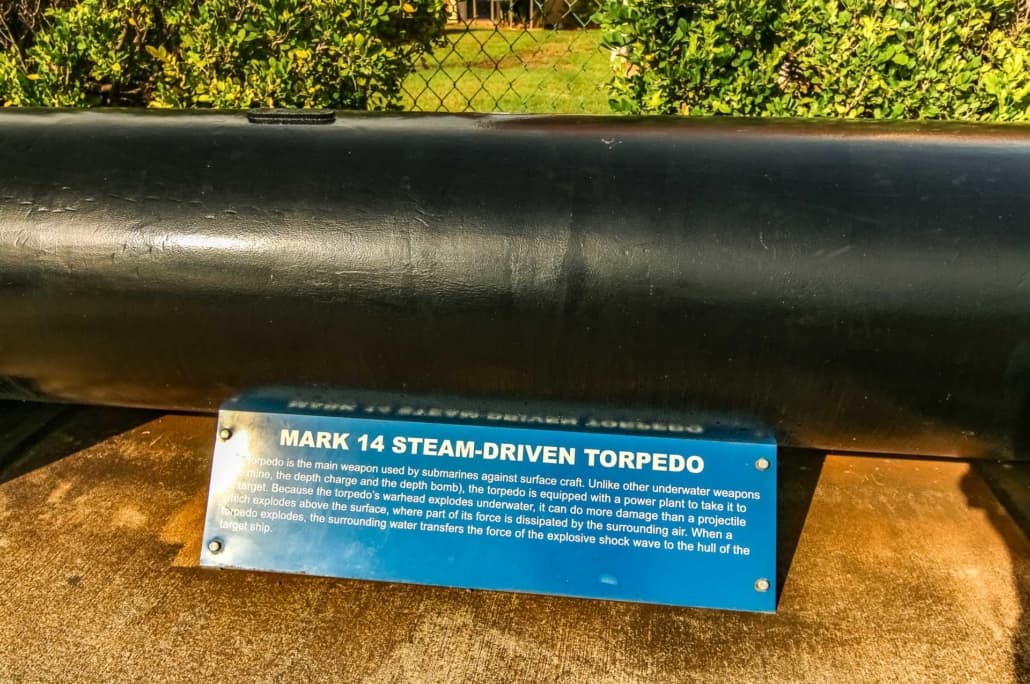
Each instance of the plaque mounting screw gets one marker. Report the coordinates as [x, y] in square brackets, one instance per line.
[762, 584]
[215, 546]
[224, 434]
[762, 463]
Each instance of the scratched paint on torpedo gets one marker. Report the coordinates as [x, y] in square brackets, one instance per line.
[596, 513]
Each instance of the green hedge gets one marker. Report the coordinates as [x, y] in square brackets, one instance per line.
[219, 53]
[935, 59]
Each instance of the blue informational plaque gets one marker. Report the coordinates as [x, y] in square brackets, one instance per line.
[521, 498]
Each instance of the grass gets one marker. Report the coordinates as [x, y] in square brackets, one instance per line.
[513, 70]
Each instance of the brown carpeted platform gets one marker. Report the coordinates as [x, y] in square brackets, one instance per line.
[904, 570]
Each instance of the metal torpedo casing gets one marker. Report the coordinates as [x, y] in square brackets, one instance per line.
[856, 286]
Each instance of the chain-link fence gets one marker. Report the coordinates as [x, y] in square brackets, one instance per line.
[515, 56]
